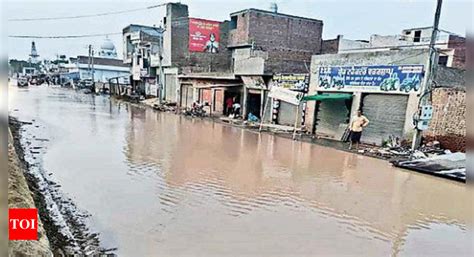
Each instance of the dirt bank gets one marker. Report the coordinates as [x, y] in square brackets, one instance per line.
[64, 224]
[20, 196]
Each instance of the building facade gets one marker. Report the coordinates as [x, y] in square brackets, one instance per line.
[192, 46]
[103, 69]
[451, 47]
[389, 106]
[142, 52]
[386, 86]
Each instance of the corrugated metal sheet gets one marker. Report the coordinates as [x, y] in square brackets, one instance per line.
[386, 114]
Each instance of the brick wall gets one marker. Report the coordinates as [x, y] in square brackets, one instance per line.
[448, 125]
[240, 35]
[190, 62]
[459, 45]
[330, 46]
[290, 41]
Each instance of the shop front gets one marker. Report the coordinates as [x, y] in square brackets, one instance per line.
[254, 96]
[283, 112]
[210, 91]
[386, 94]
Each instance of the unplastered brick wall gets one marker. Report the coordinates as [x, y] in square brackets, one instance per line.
[448, 125]
[290, 41]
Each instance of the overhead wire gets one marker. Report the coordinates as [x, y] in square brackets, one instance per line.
[65, 36]
[85, 15]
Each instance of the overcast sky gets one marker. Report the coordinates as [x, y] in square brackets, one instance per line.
[355, 19]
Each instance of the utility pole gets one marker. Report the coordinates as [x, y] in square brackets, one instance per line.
[92, 65]
[161, 90]
[430, 72]
[89, 59]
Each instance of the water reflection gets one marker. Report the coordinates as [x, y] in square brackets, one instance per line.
[245, 172]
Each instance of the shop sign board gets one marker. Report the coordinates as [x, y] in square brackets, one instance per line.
[135, 36]
[296, 82]
[377, 78]
[286, 95]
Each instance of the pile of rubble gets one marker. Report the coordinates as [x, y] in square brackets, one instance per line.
[165, 107]
[162, 107]
[429, 159]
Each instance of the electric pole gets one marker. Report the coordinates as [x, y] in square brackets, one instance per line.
[425, 94]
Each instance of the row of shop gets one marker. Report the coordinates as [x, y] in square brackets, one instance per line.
[249, 91]
[330, 118]
[388, 93]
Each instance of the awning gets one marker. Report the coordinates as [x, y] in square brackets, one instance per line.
[321, 97]
[254, 82]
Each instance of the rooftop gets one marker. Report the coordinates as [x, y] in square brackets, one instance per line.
[102, 61]
[274, 14]
[429, 27]
[150, 30]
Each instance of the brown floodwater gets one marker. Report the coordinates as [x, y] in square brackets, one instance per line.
[158, 184]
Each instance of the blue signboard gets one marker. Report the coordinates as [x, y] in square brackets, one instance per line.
[380, 78]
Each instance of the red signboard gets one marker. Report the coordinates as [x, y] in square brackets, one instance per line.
[203, 35]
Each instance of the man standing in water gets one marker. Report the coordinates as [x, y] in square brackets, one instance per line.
[359, 122]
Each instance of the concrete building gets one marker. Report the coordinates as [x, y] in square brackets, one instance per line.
[104, 69]
[184, 52]
[141, 52]
[385, 85]
[390, 111]
[451, 47]
[250, 48]
[266, 43]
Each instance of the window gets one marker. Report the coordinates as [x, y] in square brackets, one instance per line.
[443, 60]
[233, 22]
[417, 37]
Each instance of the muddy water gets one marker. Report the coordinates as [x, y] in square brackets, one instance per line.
[157, 184]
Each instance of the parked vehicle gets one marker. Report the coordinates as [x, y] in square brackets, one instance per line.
[85, 83]
[197, 110]
[22, 82]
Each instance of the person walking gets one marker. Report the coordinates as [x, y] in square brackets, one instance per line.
[359, 122]
[229, 102]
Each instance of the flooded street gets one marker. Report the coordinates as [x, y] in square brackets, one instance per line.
[159, 184]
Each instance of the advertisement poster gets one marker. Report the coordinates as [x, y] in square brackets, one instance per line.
[203, 35]
[380, 78]
[295, 82]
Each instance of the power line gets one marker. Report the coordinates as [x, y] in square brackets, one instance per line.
[65, 36]
[86, 15]
[399, 46]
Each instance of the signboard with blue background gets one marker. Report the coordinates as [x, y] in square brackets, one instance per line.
[379, 78]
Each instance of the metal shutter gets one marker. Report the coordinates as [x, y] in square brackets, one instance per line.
[171, 85]
[286, 114]
[386, 114]
[333, 116]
